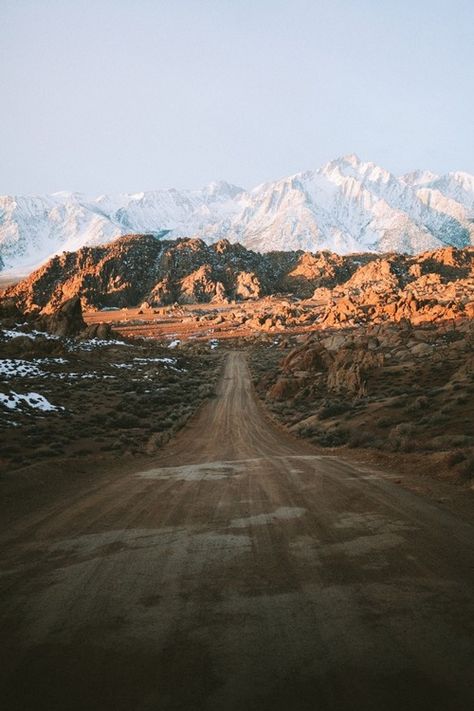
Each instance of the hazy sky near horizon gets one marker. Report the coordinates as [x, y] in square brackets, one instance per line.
[131, 95]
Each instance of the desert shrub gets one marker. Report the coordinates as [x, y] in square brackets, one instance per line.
[9, 449]
[333, 409]
[419, 404]
[96, 418]
[143, 414]
[170, 398]
[84, 451]
[452, 336]
[400, 438]
[447, 408]
[453, 458]
[438, 419]
[206, 390]
[466, 468]
[361, 437]
[435, 391]
[401, 399]
[405, 444]
[18, 459]
[403, 429]
[450, 441]
[127, 420]
[331, 438]
[385, 422]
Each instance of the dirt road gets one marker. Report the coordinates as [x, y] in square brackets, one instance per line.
[240, 571]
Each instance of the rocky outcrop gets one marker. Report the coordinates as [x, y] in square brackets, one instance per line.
[340, 291]
[247, 286]
[419, 311]
[200, 286]
[393, 387]
[397, 288]
[321, 270]
[102, 331]
[343, 367]
[344, 311]
[141, 269]
[283, 389]
[161, 294]
[66, 321]
[349, 371]
[379, 276]
[312, 357]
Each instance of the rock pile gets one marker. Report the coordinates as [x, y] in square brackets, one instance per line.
[393, 387]
[66, 322]
[334, 291]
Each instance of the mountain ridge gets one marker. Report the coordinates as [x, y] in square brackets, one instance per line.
[138, 270]
[346, 206]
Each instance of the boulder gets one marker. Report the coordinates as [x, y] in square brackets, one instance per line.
[350, 369]
[9, 309]
[247, 286]
[98, 330]
[66, 321]
[283, 389]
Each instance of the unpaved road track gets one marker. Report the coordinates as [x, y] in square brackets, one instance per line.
[241, 571]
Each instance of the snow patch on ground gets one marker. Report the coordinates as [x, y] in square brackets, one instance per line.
[19, 368]
[137, 362]
[73, 345]
[82, 376]
[13, 401]
[8, 334]
[92, 343]
[16, 368]
[170, 361]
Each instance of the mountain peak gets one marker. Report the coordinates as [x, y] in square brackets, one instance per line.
[351, 158]
[346, 206]
[222, 188]
[419, 177]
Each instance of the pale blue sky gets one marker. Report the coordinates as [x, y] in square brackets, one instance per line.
[121, 95]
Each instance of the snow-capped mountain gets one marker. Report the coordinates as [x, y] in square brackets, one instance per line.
[346, 206]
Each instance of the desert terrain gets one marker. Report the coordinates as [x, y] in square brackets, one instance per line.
[220, 495]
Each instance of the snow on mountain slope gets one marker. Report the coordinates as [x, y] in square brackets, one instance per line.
[348, 205]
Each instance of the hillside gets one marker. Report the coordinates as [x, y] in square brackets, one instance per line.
[140, 270]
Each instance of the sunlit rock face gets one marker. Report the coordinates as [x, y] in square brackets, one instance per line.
[341, 290]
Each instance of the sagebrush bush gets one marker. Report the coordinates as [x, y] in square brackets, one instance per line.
[360, 438]
[333, 409]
